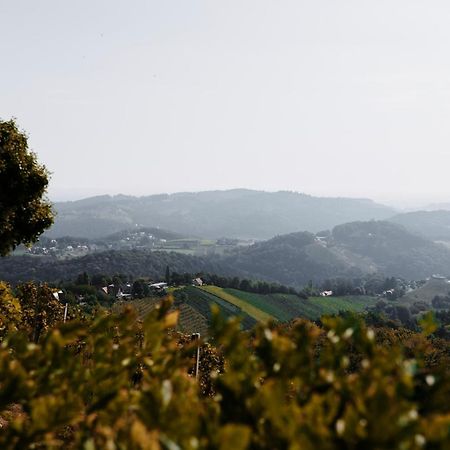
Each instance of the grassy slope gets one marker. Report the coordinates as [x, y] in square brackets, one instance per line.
[246, 306]
[282, 307]
[427, 292]
[332, 305]
[285, 307]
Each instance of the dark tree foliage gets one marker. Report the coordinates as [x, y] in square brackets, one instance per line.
[167, 276]
[256, 286]
[24, 211]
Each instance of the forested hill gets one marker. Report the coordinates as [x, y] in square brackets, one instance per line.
[236, 213]
[129, 262]
[350, 250]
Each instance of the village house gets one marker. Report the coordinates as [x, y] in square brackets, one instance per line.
[197, 282]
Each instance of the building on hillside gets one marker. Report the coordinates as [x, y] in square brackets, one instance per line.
[60, 295]
[111, 289]
[326, 293]
[438, 276]
[123, 295]
[158, 287]
[197, 282]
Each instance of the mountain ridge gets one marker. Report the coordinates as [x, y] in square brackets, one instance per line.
[236, 213]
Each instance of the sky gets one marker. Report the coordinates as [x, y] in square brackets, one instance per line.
[330, 98]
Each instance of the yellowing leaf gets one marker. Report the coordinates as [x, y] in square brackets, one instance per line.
[236, 437]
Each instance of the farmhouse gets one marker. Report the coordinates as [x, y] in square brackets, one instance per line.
[158, 287]
[326, 293]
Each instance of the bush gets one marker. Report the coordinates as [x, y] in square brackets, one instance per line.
[115, 382]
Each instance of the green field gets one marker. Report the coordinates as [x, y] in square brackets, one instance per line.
[284, 307]
[332, 305]
[257, 313]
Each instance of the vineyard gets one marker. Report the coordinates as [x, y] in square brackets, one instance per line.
[202, 302]
[142, 306]
[194, 305]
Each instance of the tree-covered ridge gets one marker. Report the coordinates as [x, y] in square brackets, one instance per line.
[137, 263]
[238, 213]
[351, 250]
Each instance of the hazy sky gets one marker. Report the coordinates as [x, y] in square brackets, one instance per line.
[326, 97]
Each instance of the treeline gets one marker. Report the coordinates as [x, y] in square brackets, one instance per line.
[137, 263]
[441, 301]
[243, 284]
[369, 285]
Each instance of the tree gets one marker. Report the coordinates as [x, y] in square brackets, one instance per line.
[40, 309]
[167, 277]
[83, 278]
[138, 289]
[24, 210]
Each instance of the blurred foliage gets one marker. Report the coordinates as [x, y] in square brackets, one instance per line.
[24, 211]
[118, 383]
[10, 311]
[40, 309]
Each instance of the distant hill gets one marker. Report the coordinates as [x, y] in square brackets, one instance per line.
[437, 206]
[351, 250]
[293, 258]
[237, 213]
[393, 249]
[434, 225]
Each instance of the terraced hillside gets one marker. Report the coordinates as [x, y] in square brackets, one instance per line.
[144, 305]
[202, 301]
[195, 309]
[195, 305]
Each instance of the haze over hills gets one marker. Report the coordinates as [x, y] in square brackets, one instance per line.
[437, 206]
[434, 225]
[237, 213]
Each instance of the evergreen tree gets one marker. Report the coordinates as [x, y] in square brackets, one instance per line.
[167, 278]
